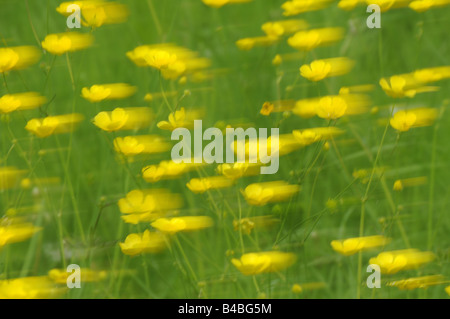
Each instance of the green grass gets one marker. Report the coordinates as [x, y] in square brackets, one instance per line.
[93, 179]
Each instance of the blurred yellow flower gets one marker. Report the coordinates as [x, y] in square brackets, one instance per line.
[351, 246]
[263, 262]
[201, 185]
[331, 108]
[30, 288]
[246, 225]
[123, 119]
[97, 93]
[349, 4]
[246, 44]
[295, 7]
[321, 69]
[311, 39]
[399, 86]
[21, 101]
[142, 144]
[61, 43]
[9, 177]
[283, 27]
[60, 276]
[149, 201]
[16, 58]
[15, 233]
[400, 184]
[238, 170]
[182, 224]
[144, 243]
[50, 125]
[180, 118]
[167, 170]
[221, 3]
[404, 120]
[260, 194]
[418, 282]
[391, 262]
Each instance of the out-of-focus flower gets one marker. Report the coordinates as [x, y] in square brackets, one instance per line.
[276, 61]
[391, 262]
[260, 194]
[60, 276]
[331, 108]
[429, 75]
[30, 288]
[124, 119]
[404, 120]
[424, 5]
[349, 4]
[400, 184]
[283, 27]
[180, 118]
[295, 7]
[311, 39]
[173, 62]
[399, 86]
[356, 89]
[21, 101]
[246, 225]
[61, 43]
[16, 58]
[50, 125]
[16, 232]
[417, 282]
[386, 5]
[149, 201]
[447, 290]
[182, 224]
[167, 170]
[201, 185]
[221, 3]
[143, 144]
[238, 170]
[321, 69]
[100, 92]
[351, 246]
[144, 243]
[246, 44]
[309, 136]
[263, 262]
[97, 14]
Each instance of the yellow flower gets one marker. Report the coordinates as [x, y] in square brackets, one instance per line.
[238, 170]
[246, 225]
[30, 288]
[143, 243]
[167, 169]
[177, 119]
[391, 262]
[386, 5]
[260, 194]
[321, 69]
[182, 224]
[221, 3]
[351, 246]
[21, 101]
[405, 85]
[349, 4]
[15, 233]
[331, 108]
[263, 262]
[9, 177]
[113, 121]
[311, 39]
[403, 120]
[61, 43]
[60, 276]
[295, 7]
[47, 126]
[246, 44]
[149, 201]
[283, 27]
[408, 182]
[277, 60]
[417, 282]
[298, 289]
[144, 144]
[16, 58]
[447, 290]
[97, 93]
[201, 185]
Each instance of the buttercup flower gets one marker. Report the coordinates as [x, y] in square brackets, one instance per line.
[331, 108]
[123, 119]
[61, 43]
[391, 262]
[311, 39]
[16, 58]
[201, 185]
[263, 262]
[97, 93]
[182, 224]
[21, 101]
[351, 246]
[260, 194]
[41, 287]
[321, 69]
[144, 243]
[417, 282]
[50, 125]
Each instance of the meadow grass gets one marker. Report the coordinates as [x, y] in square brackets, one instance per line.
[80, 217]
